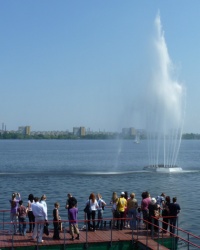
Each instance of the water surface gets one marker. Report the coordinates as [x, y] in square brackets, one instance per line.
[57, 167]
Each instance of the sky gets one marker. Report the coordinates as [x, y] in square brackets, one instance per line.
[66, 64]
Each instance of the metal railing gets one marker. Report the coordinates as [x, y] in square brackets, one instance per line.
[3, 212]
[178, 236]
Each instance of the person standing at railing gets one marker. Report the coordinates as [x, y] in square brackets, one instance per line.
[56, 222]
[115, 213]
[139, 217]
[146, 199]
[126, 222]
[70, 202]
[14, 202]
[40, 218]
[22, 212]
[132, 206]
[174, 210]
[73, 221]
[165, 214]
[100, 209]
[154, 210]
[93, 204]
[160, 200]
[121, 205]
[31, 216]
[44, 203]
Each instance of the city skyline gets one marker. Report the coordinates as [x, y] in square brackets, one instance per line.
[124, 130]
[64, 63]
[4, 129]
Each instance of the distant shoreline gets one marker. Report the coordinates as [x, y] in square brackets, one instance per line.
[114, 136]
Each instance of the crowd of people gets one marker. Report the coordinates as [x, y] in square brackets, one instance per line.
[126, 212]
[161, 206]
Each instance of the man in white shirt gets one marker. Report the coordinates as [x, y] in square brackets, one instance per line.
[40, 218]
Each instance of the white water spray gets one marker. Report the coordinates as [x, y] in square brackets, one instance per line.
[165, 107]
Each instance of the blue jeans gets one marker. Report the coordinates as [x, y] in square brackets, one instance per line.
[100, 218]
[132, 217]
[22, 225]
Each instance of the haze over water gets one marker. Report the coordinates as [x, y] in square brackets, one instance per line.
[165, 104]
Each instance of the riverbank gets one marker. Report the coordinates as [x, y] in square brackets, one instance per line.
[70, 136]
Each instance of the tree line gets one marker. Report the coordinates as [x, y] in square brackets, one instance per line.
[70, 136]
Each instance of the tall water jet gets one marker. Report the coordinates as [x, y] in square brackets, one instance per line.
[165, 107]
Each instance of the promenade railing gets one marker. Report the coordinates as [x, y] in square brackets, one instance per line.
[179, 238]
[3, 218]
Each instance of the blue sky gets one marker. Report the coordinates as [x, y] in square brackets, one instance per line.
[84, 63]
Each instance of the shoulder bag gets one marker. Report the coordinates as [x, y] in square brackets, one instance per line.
[87, 208]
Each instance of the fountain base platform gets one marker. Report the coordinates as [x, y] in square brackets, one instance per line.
[161, 168]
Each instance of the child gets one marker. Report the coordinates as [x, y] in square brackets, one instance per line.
[56, 221]
[21, 212]
[73, 214]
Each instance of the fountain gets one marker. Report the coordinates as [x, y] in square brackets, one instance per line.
[165, 109]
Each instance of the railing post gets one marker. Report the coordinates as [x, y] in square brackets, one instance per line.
[64, 229]
[173, 242]
[177, 226]
[188, 241]
[152, 228]
[162, 236]
[158, 238]
[3, 220]
[86, 244]
[36, 225]
[111, 232]
[147, 226]
[132, 234]
[13, 240]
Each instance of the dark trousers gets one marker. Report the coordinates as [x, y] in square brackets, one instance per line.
[122, 220]
[172, 223]
[153, 224]
[165, 225]
[31, 218]
[56, 230]
[89, 215]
